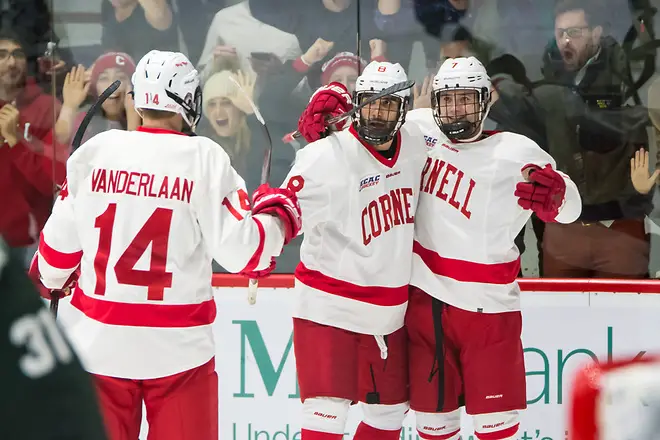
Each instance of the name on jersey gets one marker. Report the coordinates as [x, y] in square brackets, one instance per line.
[369, 181]
[141, 184]
[387, 212]
[452, 187]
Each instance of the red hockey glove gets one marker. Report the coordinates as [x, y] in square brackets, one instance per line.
[258, 274]
[543, 192]
[327, 102]
[35, 276]
[282, 203]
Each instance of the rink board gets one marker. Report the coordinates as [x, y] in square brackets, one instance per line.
[561, 330]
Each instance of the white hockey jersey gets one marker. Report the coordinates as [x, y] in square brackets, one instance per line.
[144, 213]
[468, 217]
[358, 212]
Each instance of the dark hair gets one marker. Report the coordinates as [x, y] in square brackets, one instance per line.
[13, 36]
[591, 11]
[156, 114]
[462, 34]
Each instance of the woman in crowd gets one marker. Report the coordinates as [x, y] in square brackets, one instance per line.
[228, 120]
[117, 112]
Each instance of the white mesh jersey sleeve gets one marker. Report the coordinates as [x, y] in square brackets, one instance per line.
[60, 249]
[521, 151]
[236, 239]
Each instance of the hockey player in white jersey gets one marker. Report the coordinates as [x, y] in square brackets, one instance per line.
[143, 214]
[358, 191]
[463, 320]
[478, 189]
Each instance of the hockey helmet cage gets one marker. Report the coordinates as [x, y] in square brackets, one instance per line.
[168, 81]
[380, 121]
[461, 98]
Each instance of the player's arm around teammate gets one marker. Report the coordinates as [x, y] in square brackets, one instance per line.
[357, 188]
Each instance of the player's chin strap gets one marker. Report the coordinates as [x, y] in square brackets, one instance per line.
[380, 340]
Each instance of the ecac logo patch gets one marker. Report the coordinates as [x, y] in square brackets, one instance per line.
[369, 181]
[430, 141]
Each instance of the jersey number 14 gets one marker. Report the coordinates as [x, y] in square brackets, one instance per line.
[156, 230]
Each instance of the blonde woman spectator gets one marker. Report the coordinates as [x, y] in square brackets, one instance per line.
[117, 112]
[228, 120]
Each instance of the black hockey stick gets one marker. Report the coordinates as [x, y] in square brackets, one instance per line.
[265, 172]
[388, 91]
[77, 140]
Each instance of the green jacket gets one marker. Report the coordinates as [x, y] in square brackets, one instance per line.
[591, 135]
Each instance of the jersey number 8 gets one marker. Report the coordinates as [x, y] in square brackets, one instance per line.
[155, 231]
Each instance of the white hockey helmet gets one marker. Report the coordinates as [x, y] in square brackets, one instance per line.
[380, 126]
[461, 98]
[168, 81]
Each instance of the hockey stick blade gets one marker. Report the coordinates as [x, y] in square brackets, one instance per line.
[77, 140]
[388, 91]
[253, 284]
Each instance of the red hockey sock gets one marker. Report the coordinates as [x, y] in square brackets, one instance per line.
[367, 432]
[306, 434]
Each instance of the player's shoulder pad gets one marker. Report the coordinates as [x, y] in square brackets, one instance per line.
[210, 149]
[518, 148]
[420, 116]
[422, 119]
[103, 140]
[318, 149]
[514, 141]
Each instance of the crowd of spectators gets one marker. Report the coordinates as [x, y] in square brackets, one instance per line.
[576, 76]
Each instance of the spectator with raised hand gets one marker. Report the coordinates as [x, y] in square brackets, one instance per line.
[422, 93]
[285, 94]
[31, 160]
[229, 121]
[593, 134]
[643, 181]
[329, 20]
[74, 94]
[235, 31]
[117, 112]
[137, 26]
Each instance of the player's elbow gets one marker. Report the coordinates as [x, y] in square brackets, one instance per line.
[234, 264]
[572, 206]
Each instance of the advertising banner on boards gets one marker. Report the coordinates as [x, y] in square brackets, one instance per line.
[255, 361]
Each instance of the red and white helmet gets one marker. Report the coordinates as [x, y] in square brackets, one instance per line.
[466, 75]
[376, 77]
[168, 81]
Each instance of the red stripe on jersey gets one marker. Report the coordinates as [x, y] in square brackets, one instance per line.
[237, 215]
[155, 130]
[57, 259]
[468, 271]
[256, 257]
[144, 315]
[376, 295]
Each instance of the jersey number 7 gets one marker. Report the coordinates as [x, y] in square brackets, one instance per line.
[156, 230]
